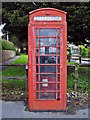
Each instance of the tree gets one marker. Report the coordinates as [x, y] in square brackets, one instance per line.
[15, 15]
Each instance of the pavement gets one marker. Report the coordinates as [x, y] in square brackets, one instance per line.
[17, 110]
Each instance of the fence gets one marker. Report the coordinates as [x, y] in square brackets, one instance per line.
[77, 76]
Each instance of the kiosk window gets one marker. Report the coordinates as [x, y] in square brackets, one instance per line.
[47, 32]
[47, 41]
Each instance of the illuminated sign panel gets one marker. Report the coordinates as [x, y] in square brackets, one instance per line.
[39, 18]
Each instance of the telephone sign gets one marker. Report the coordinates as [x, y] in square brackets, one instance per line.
[47, 59]
[57, 18]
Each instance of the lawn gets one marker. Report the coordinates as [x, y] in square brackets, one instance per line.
[23, 59]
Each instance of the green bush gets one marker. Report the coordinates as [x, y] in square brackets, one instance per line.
[87, 51]
[6, 45]
[82, 50]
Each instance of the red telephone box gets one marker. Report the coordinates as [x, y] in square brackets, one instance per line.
[47, 59]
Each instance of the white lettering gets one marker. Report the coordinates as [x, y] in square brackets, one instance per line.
[39, 18]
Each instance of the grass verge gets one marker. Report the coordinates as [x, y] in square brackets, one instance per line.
[23, 59]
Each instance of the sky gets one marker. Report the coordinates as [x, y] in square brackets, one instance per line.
[1, 27]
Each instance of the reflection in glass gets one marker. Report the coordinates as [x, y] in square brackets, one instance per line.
[58, 59]
[48, 32]
[46, 95]
[37, 77]
[58, 87]
[36, 59]
[36, 41]
[37, 86]
[36, 32]
[59, 77]
[47, 86]
[58, 69]
[59, 41]
[48, 59]
[58, 32]
[49, 77]
[47, 41]
[48, 69]
[42, 50]
[37, 95]
[47, 50]
[58, 96]
[37, 69]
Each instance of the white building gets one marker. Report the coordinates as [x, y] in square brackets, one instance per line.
[74, 49]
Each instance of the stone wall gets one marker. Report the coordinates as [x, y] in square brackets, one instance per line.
[7, 54]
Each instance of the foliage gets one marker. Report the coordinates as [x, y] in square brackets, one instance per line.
[16, 17]
[6, 45]
[83, 77]
[87, 52]
[82, 50]
[14, 84]
[69, 51]
[69, 54]
[14, 90]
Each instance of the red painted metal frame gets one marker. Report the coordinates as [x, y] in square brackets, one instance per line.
[40, 104]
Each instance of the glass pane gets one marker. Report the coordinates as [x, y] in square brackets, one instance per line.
[37, 95]
[46, 95]
[58, 32]
[48, 59]
[37, 69]
[37, 86]
[58, 86]
[59, 41]
[37, 42]
[58, 96]
[58, 59]
[59, 50]
[37, 77]
[47, 86]
[36, 32]
[48, 69]
[47, 50]
[36, 59]
[42, 50]
[47, 41]
[36, 51]
[58, 69]
[59, 77]
[49, 78]
[48, 32]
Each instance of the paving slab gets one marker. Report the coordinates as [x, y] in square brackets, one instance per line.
[17, 110]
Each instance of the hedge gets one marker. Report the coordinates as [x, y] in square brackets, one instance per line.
[6, 45]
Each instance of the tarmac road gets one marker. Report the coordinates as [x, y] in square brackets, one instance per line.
[17, 110]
